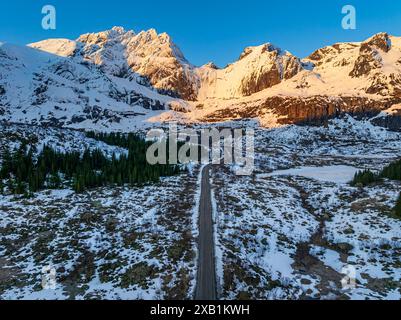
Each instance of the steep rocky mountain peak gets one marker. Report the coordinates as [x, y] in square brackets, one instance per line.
[258, 68]
[147, 58]
[100, 38]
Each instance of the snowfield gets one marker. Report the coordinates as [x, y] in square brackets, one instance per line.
[337, 174]
[120, 243]
[109, 243]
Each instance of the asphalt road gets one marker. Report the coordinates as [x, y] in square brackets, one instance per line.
[206, 278]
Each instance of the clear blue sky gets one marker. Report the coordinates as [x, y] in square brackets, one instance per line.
[207, 30]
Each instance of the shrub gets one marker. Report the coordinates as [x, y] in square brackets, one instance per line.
[397, 208]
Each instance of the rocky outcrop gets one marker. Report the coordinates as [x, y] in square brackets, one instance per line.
[299, 110]
[257, 81]
[369, 55]
[379, 41]
[258, 68]
[320, 108]
[326, 54]
[283, 66]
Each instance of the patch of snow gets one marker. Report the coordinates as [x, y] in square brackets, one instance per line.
[336, 174]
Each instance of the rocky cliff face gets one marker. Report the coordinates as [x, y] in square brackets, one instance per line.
[257, 69]
[282, 66]
[300, 110]
[371, 62]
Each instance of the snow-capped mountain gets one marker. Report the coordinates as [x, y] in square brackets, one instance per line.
[154, 59]
[258, 68]
[147, 57]
[118, 78]
[359, 78]
[58, 89]
[371, 67]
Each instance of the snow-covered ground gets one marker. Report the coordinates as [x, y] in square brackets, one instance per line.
[109, 243]
[296, 228]
[120, 243]
[63, 140]
[289, 231]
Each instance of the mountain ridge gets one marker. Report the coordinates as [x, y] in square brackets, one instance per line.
[278, 85]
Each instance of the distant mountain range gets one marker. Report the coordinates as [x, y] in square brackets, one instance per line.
[118, 79]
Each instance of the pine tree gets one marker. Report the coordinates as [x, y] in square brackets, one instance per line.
[93, 169]
[6, 167]
[20, 188]
[364, 178]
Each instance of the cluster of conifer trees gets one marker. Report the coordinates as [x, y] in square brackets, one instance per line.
[22, 172]
[365, 178]
[392, 172]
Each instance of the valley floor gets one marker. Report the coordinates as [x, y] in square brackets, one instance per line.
[292, 230]
[297, 233]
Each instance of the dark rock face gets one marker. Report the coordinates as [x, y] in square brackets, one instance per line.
[291, 68]
[78, 119]
[150, 104]
[181, 84]
[319, 56]
[314, 110]
[40, 94]
[395, 81]
[366, 62]
[96, 114]
[255, 83]
[284, 67]
[176, 81]
[364, 65]
[381, 85]
[379, 41]
[64, 69]
[132, 98]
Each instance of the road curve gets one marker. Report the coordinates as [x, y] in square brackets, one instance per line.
[206, 278]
